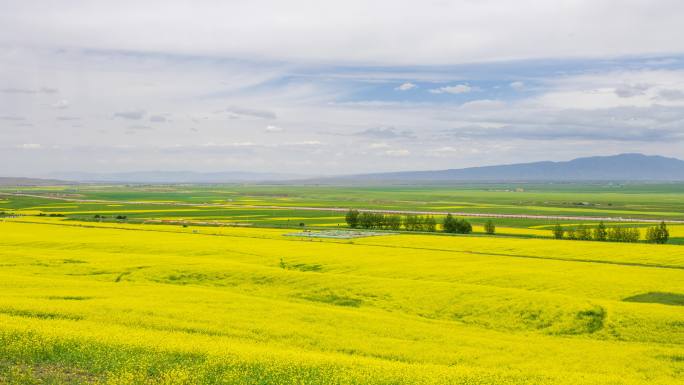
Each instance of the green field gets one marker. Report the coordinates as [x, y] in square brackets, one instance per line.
[632, 200]
[249, 204]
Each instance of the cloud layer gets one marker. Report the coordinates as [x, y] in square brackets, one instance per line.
[346, 87]
[354, 31]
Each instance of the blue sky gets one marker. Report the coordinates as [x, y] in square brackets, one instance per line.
[501, 80]
[345, 87]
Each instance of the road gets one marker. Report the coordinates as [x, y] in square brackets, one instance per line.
[345, 209]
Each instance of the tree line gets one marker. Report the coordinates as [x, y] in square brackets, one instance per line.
[380, 221]
[602, 233]
[410, 222]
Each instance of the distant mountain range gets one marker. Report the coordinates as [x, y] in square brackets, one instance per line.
[173, 177]
[11, 181]
[623, 167]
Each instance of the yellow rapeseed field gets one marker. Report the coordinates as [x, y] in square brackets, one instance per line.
[118, 303]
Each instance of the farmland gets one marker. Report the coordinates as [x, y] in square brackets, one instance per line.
[137, 301]
[341, 192]
[281, 206]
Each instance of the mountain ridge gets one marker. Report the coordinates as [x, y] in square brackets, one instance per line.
[621, 167]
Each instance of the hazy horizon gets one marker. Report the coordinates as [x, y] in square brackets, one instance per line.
[338, 88]
[607, 168]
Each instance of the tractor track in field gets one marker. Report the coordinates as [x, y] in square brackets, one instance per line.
[345, 209]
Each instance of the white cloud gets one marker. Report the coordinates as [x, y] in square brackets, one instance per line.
[626, 88]
[446, 149]
[630, 90]
[457, 89]
[30, 146]
[386, 132]
[337, 31]
[28, 91]
[378, 145]
[517, 85]
[137, 127]
[401, 152]
[272, 128]
[671, 94]
[482, 104]
[305, 143]
[324, 75]
[249, 113]
[406, 86]
[222, 145]
[131, 115]
[62, 104]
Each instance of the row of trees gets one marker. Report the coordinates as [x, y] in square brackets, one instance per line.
[410, 222]
[118, 217]
[656, 234]
[453, 225]
[419, 223]
[368, 220]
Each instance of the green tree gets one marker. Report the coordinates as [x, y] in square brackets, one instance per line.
[463, 227]
[658, 234]
[600, 232]
[366, 220]
[449, 224]
[489, 227]
[632, 234]
[352, 218]
[430, 224]
[420, 223]
[616, 234]
[558, 231]
[664, 233]
[378, 220]
[393, 222]
[411, 222]
[571, 234]
[583, 233]
[623, 234]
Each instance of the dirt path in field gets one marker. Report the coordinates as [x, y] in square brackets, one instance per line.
[345, 209]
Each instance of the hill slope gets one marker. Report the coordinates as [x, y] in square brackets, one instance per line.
[637, 167]
[117, 303]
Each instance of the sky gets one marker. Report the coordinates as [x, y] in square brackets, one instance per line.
[335, 87]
